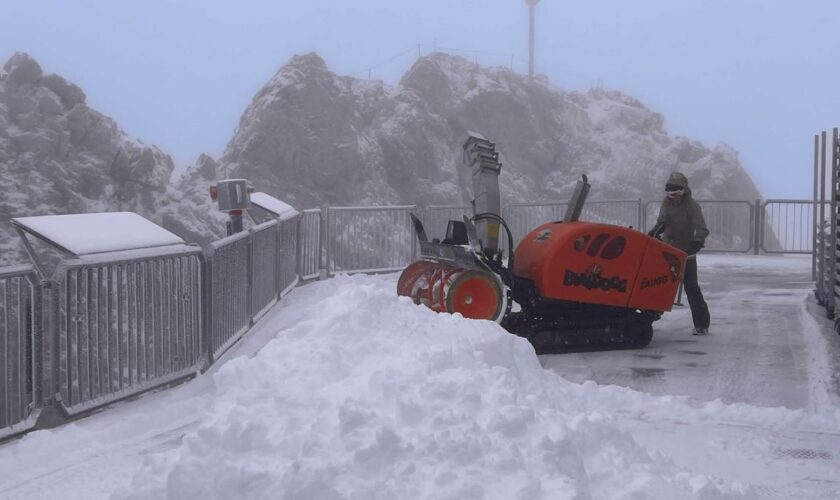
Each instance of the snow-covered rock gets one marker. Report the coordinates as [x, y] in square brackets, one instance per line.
[58, 156]
[312, 137]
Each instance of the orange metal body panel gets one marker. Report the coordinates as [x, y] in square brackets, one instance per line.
[600, 264]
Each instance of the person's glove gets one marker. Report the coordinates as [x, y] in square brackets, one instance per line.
[656, 231]
[694, 247]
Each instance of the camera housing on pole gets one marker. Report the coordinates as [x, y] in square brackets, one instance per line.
[233, 196]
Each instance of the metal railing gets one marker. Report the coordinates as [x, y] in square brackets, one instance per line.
[790, 226]
[18, 392]
[369, 239]
[264, 267]
[521, 218]
[436, 218]
[825, 235]
[287, 268]
[732, 224]
[228, 262]
[625, 213]
[311, 235]
[121, 324]
[124, 325]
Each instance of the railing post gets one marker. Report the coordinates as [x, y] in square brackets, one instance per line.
[35, 334]
[835, 159]
[278, 258]
[249, 293]
[815, 227]
[325, 245]
[206, 297]
[642, 217]
[299, 245]
[758, 222]
[50, 402]
[822, 255]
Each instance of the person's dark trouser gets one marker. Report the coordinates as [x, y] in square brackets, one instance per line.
[699, 309]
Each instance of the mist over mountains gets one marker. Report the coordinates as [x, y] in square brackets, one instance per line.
[313, 138]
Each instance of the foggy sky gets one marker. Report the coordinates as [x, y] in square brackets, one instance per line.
[756, 74]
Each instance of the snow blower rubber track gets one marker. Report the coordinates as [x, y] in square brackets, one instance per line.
[631, 331]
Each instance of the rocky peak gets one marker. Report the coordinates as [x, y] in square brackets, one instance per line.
[312, 137]
[59, 156]
[21, 69]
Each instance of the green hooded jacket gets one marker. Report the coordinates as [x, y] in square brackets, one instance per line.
[682, 219]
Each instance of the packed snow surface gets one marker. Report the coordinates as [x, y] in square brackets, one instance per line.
[346, 391]
[84, 234]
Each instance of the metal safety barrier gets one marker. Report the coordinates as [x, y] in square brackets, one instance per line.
[265, 267]
[436, 218]
[790, 226]
[310, 244]
[106, 328]
[18, 389]
[122, 325]
[288, 255]
[732, 224]
[625, 213]
[228, 262]
[521, 218]
[825, 216]
[369, 239]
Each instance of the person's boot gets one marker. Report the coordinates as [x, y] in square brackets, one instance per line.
[700, 331]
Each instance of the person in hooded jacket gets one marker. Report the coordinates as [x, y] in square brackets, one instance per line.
[681, 224]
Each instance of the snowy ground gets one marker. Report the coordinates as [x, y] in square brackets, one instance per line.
[345, 391]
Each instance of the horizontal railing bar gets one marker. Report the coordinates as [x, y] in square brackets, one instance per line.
[389, 208]
[215, 245]
[16, 271]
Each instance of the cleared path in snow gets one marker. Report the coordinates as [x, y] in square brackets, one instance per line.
[763, 349]
[770, 345]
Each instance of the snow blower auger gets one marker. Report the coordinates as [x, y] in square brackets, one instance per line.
[579, 285]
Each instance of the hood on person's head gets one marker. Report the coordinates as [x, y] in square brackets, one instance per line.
[679, 179]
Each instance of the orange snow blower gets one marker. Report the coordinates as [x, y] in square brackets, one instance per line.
[578, 285]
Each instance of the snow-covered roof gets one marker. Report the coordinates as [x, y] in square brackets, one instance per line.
[82, 234]
[273, 205]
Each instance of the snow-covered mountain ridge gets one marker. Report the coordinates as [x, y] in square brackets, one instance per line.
[314, 138]
[58, 156]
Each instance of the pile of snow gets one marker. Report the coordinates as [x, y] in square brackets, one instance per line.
[363, 395]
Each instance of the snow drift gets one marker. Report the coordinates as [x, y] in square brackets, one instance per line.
[363, 395]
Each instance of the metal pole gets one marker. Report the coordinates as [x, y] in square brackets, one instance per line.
[822, 255]
[642, 215]
[835, 142]
[758, 221]
[532, 5]
[814, 209]
[325, 244]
